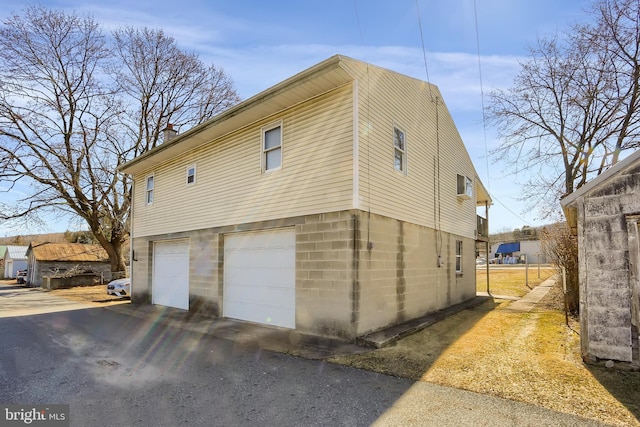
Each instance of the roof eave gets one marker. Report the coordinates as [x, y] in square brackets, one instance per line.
[483, 198]
[569, 203]
[600, 179]
[272, 100]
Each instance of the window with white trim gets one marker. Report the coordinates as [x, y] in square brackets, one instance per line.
[150, 186]
[459, 256]
[399, 150]
[191, 174]
[272, 147]
[465, 187]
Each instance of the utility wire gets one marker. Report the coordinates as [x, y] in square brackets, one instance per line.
[424, 50]
[484, 119]
[493, 197]
[437, 203]
[369, 244]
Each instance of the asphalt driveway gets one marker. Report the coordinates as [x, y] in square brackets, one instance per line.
[116, 369]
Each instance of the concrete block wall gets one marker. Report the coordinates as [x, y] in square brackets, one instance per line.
[400, 276]
[326, 274]
[57, 269]
[355, 272]
[383, 292]
[605, 293]
[141, 268]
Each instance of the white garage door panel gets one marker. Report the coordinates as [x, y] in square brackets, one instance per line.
[247, 275]
[259, 277]
[256, 259]
[171, 274]
[269, 295]
[263, 314]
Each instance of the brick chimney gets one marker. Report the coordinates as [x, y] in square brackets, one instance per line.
[169, 132]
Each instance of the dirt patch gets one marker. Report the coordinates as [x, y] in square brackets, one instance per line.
[529, 357]
[92, 294]
[554, 300]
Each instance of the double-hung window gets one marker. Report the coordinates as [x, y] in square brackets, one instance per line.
[399, 150]
[272, 147]
[191, 174]
[459, 256]
[150, 185]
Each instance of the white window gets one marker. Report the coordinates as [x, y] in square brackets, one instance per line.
[465, 187]
[150, 189]
[272, 147]
[191, 174]
[459, 256]
[399, 150]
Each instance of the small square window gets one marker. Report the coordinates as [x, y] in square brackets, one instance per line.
[399, 150]
[191, 174]
[150, 185]
[272, 148]
[459, 256]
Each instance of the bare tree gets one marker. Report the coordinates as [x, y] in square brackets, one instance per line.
[573, 106]
[73, 107]
[55, 117]
[164, 84]
[617, 35]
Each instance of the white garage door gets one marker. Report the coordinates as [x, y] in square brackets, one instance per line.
[260, 277]
[171, 274]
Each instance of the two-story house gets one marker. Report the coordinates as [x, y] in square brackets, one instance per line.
[337, 202]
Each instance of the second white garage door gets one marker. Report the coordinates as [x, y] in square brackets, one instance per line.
[260, 277]
[171, 273]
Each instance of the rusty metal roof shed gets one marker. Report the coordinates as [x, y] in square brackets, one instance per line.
[68, 252]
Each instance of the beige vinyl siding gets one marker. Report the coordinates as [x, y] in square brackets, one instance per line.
[387, 99]
[230, 188]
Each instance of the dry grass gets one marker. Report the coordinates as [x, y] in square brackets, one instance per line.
[511, 280]
[530, 357]
[91, 294]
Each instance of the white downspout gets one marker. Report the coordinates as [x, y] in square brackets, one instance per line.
[356, 147]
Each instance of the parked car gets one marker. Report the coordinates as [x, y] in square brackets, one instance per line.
[21, 277]
[119, 287]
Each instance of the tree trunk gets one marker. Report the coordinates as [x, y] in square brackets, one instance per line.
[114, 250]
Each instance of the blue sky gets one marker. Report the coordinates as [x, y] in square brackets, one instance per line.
[260, 43]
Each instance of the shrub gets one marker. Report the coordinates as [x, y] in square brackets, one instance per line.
[561, 250]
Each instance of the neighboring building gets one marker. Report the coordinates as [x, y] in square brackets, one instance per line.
[530, 249]
[508, 253]
[605, 214]
[15, 259]
[3, 251]
[335, 203]
[67, 260]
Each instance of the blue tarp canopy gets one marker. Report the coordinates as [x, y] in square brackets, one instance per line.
[508, 248]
